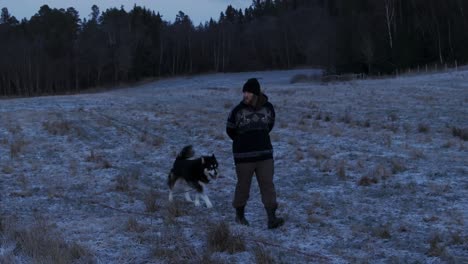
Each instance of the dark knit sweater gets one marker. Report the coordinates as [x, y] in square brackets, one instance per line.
[249, 128]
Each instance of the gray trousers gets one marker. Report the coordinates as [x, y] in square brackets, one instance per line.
[264, 171]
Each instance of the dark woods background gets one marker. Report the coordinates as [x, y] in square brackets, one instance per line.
[57, 52]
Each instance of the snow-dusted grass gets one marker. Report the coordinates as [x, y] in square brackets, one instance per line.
[366, 171]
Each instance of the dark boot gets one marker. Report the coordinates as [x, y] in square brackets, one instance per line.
[273, 221]
[240, 218]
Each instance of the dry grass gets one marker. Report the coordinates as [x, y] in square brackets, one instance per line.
[397, 165]
[416, 154]
[153, 140]
[387, 138]
[460, 132]
[221, 239]
[341, 170]
[122, 183]
[263, 256]
[17, 146]
[99, 160]
[382, 232]
[44, 245]
[436, 247]
[172, 247]
[73, 167]
[7, 169]
[150, 202]
[319, 154]
[336, 131]
[423, 128]
[126, 180]
[14, 129]
[299, 155]
[378, 173]
[326, 166]
[174, 210]
[346, 118]
[58, 128]
[393, 117]
[134, 226]
[367, 181]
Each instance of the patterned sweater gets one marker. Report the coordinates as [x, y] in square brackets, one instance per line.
[249, 128]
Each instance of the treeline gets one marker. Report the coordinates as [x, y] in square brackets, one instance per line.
[57, 52]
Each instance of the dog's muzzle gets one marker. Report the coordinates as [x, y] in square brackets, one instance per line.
[213, 173]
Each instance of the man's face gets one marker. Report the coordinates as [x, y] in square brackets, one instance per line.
[248, 97]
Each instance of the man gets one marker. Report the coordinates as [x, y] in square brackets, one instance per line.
[249, 125]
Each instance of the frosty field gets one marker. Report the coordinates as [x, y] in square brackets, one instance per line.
[367, 171]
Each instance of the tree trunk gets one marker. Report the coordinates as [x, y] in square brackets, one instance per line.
[389, 15]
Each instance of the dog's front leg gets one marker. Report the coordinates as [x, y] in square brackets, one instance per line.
[207, 200]
[170, 196]
[187, 194]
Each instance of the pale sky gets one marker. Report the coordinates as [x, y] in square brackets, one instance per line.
[197, 10]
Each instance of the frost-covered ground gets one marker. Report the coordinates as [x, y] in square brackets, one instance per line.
[366, 171]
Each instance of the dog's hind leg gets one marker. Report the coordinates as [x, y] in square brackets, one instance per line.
[171, 182]
[197, 199]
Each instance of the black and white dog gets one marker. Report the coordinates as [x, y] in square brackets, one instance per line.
[195, 172]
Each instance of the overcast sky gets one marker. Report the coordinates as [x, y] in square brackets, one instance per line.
[197, 10]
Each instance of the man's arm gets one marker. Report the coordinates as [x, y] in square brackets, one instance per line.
[231, 129]
[271, 122]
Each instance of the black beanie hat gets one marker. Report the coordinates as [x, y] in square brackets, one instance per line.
[252, 86]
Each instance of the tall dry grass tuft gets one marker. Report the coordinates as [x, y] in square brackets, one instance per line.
[341, 170]
[263, 256]
[153, 140]
[221, 239]
[397, 165]
[460, 132]
[99, 159]
[436, 247]
[58, 128]
[150, 201]
[423, 128]
[378, 173]
[14, 129]
[174, 210]
[17, 146]
[134, 226]
[45, 245]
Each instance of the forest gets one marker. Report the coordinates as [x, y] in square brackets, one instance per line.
[59, 51]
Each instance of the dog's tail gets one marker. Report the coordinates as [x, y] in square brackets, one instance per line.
[186, 153]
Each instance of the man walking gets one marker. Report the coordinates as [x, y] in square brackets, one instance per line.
[249, 125]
